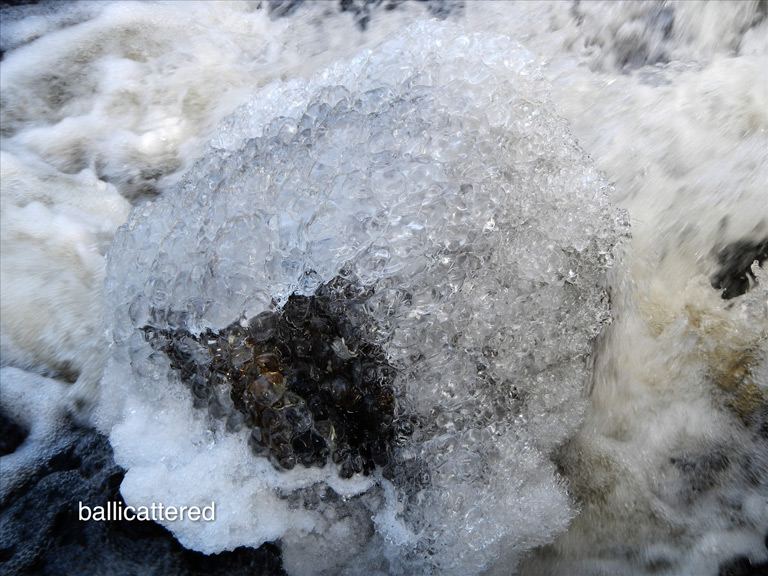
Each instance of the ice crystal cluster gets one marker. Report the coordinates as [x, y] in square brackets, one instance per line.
[431, 179]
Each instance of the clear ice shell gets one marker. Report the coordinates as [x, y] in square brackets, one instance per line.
[434, 170]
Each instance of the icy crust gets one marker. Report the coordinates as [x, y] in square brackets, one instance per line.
[433, 171]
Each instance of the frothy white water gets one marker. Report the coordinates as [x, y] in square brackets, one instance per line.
[54, 231]
[132, 90]
[670, 99]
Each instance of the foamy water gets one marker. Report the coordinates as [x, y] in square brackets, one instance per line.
[659, 464]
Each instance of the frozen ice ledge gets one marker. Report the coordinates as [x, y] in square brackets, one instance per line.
[362, 323]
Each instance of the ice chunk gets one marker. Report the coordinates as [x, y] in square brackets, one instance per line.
[432, 175]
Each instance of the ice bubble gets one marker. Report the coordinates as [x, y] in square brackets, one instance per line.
[431, 183]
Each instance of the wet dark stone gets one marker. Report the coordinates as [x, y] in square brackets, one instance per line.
[263, 326]
[201, 390]
[235, 422]
[291, 373]
[379, 453]
[757, 421]
[742, 566]
[282, 8]
[363, 11]
[4, 3]
[702, 471]
[41, 533]
[734, 277]
[762, 12]
[663, 19]
[12, 434]
[217, 411]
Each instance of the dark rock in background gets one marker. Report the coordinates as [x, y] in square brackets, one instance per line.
[4, 3]
[12, 435]
[363, 10]
[735, 277]
[742, 566]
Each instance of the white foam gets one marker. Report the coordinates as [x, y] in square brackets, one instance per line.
[132, 90]
[54, 231]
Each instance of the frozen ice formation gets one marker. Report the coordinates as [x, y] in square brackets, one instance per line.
[432, 176]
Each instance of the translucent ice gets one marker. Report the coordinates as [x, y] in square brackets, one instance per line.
[432, 174]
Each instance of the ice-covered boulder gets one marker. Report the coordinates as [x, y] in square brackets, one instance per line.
[412, 235]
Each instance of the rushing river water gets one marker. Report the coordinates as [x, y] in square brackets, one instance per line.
[406, 287]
